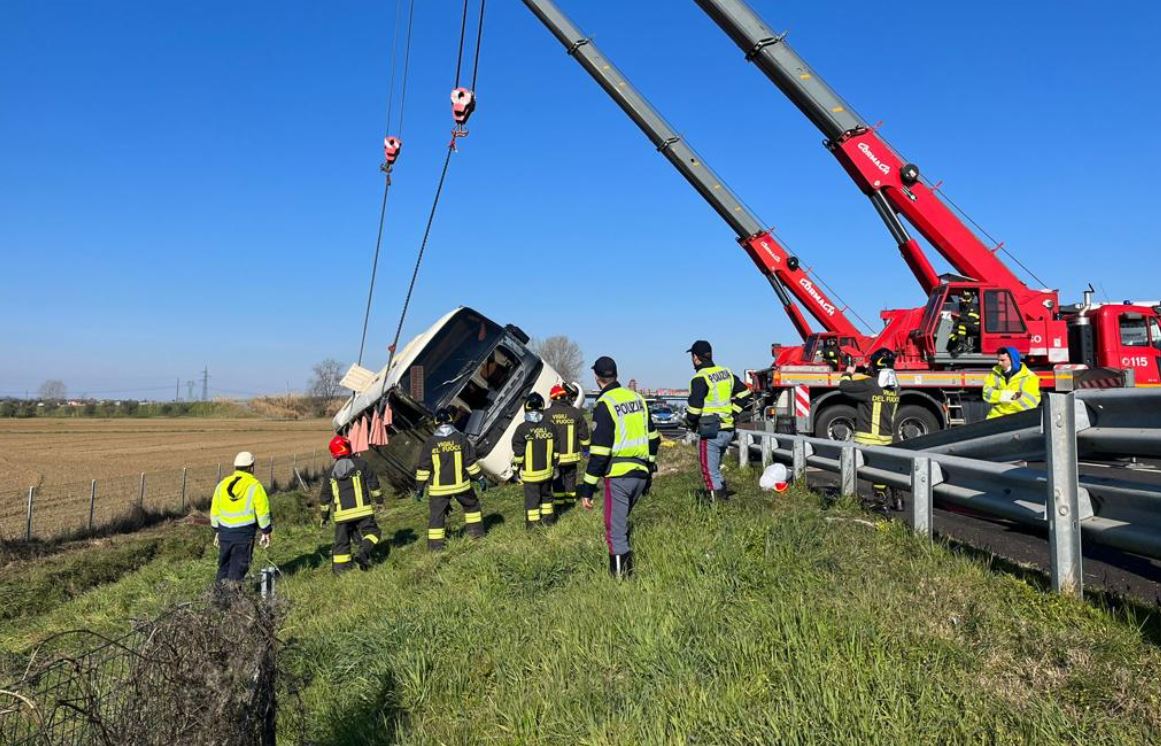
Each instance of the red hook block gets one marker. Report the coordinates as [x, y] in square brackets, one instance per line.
[391, 148]
[463, 104]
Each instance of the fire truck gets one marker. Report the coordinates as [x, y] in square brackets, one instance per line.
[1072, 346]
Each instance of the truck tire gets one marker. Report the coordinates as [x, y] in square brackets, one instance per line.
[837, 422]
[915, 421]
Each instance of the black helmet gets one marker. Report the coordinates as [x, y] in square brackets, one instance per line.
[534, 403]
[882, 358]
[968, 293]
[443, 415]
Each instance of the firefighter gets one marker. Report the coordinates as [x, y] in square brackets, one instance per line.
[624, 454]
[967, 326]
[448, 461]
[1010, 387]
[572, 435]
[349, 490]
[716, 398]
[535, 457]
[831, 354]
[239, 510]
[877, 397]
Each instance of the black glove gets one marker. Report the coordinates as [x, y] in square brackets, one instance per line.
[324, 517]
[418, 495]
[652, 468]
[648, 485]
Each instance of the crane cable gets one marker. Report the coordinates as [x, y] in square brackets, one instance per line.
[386, 166]
[457, 132]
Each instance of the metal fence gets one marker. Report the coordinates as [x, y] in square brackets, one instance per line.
[59, 510]
[1111, 511]
[164, 681]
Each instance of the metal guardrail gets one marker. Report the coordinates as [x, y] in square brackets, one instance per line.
[1113, 512]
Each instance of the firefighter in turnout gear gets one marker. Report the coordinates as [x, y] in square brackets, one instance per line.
[239, 510]
[966, 331]
[534, 454]
[447, 465]
[346, 498]
[876, 396]
[572, 435]
[831, 354]
[1010, 387]
[716, 398]
[624, 455]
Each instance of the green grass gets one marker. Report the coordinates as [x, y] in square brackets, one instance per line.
[768, 620]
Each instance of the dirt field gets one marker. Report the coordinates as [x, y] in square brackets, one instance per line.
[48, 451]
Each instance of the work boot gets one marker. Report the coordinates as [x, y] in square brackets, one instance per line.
[339, 569]
[621, 565]
[722, 495]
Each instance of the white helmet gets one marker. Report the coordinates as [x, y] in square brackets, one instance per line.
[774, 478]
[243, 460]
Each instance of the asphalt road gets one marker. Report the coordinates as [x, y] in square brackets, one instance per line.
[1105, 569]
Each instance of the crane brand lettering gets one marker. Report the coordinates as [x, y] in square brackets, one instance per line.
[866, 150]
[809, 287]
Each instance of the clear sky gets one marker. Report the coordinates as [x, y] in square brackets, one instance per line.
[195, 184]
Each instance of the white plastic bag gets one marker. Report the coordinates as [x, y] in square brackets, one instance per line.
[774, 478]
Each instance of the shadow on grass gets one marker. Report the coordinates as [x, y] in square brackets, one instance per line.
[491, 520]
[1138, 614]
[378, 721]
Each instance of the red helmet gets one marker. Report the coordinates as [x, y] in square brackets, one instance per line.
[558, 392]
[340, 446]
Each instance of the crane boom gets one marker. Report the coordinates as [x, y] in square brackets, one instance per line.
[780, 268]
[892, 183]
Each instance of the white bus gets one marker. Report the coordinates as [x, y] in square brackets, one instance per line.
[464, 361]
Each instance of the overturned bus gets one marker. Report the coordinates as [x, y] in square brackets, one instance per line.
[465, 361]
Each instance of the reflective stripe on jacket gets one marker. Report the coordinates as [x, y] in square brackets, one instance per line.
[874, 409]
[349, 490]
[448, 461]
[534, 451]
[631, 445]
[716, 390]
[1000, 391]
[240, 500]
[572, 431]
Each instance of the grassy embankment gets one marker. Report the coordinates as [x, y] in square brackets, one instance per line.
[767, 620]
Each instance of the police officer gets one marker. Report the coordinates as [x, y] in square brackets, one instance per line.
[238, 511]
[534, 455]
[967, 326]
[624, 454]
[716, 398]
[572, 435]
[349, 490]
[448, 461]
[876, 397]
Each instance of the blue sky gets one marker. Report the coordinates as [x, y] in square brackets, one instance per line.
[189, 184]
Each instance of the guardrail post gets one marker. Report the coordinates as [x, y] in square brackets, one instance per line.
[219, 473]
[28, 526]
[799, 452]
[141, 494]
[744, 440]
[184, 470]
[92, 502]
[921, 484]
[767, 451]
[848, 471]
[271, 473]
[1061, 506]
